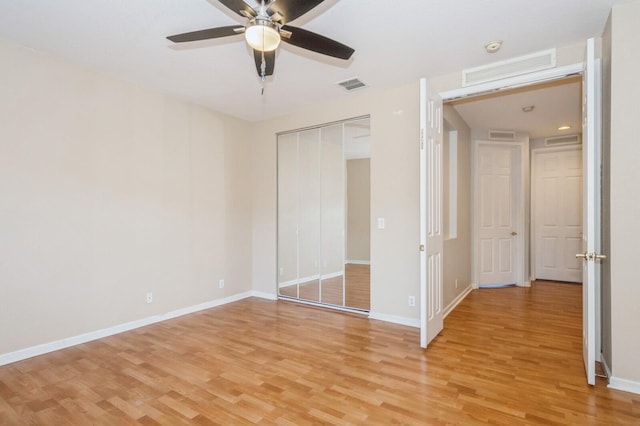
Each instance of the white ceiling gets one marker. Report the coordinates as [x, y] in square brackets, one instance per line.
[396, 42]
[555, 105]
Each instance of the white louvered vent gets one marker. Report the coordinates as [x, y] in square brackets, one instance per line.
[563, 140]
[502, 135]
[351, 84]
[510, 68]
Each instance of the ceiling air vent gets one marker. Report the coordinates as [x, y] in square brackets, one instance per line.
[502, 135]
[562, 140]
[510, 68]
[351, 84]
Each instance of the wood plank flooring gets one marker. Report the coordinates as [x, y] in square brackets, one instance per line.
[357, 291]
[506, 357]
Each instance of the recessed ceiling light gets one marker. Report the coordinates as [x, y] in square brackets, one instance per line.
[564, 127]
[528, 108]
[493, 46]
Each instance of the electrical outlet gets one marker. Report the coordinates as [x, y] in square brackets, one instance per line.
[281, 271]
[456, 283]
[221, 284]
[149, 297]
[412, 301]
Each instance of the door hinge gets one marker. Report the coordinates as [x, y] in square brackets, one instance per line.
[421, 138]
[421, 247]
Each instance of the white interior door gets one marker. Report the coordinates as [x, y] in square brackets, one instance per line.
[557, 214]
[431, 237]
[590, 187]
[496, 204]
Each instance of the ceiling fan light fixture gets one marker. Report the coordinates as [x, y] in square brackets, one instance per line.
[262, 36]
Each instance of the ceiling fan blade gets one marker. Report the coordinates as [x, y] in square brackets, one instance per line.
[292, 9]
[269, 60]
[207, 34]
[317, 43]
[239, 7]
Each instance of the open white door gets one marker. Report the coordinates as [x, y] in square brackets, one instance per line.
[431, 238]
[590, 186]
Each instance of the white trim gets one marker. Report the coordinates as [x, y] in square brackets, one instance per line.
[67, 342]
[410, 322]
[624, 385]
[358, 262]
[607, 370]
[305, 280]
[289, 283]
[263, 295]
[517, 66]
[455, 302]
[513, 82]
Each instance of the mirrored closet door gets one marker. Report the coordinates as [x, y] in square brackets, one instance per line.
[323, 175]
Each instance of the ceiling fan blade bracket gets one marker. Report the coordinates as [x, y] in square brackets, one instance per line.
[291, 9]
[239, 7]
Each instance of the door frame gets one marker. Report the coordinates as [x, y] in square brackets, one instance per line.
[521, 167]
[527, 80]
[535, 152]
[538, 77]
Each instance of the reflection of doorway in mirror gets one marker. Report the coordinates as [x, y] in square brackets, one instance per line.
[358, 236]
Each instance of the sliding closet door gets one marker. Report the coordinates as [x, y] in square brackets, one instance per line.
[312, 215]
[309, 215]
[288, 214]
[332, 202]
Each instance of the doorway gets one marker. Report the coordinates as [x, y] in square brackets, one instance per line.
[590, 119]
[530, 116]
[498, 218]
[556, 213]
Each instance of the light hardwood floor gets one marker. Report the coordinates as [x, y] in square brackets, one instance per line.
[356, 295]
[506, 357]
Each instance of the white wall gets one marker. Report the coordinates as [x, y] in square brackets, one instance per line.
[394, 192]
[624, 202]
[108, 191]
[457, 251]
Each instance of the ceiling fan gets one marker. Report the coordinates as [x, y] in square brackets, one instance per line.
[267, 26]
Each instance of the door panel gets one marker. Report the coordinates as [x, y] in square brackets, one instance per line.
[309, 215]
[557, 213]
[590, 164]
[496, 201]
[431, 237]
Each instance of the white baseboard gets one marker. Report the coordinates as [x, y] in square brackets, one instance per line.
[310, 278]
[451, 306]
[263, 295]
[411, 322]
[44, 348]
[607, 370]
[624, 385]
[358, 262]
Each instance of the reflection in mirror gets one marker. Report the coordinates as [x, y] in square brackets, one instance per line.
[332, 213]
[309, 215]
[358, 242]
[288, 214]
[323, 215]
